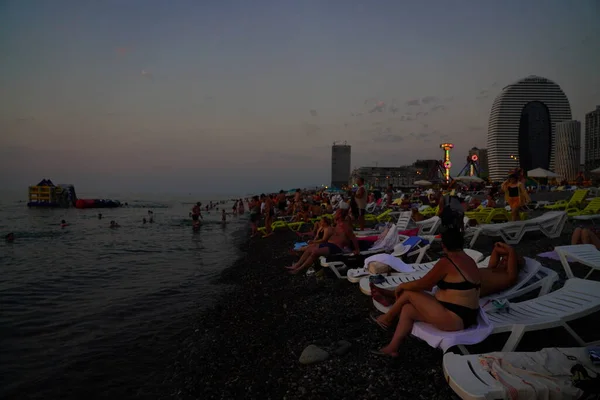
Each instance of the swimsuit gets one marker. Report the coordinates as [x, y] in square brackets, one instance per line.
[513, 197]
[333, 248]
[468, 315]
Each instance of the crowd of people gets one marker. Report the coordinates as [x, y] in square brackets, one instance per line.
[448, 296]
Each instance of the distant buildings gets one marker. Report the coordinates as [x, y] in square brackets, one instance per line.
[482, 159]
[592, 139]
[568, 149]
[340, 165]
[383, 176]
[522, 126]
[428, 170]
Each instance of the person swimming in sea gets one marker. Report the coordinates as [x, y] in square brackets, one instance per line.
[144, 220]
[63, 223]
[99, 215]
[113, 224]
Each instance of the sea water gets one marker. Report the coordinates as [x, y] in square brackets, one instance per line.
[92, 312]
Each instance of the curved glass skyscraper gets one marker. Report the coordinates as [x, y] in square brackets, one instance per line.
[522, 126]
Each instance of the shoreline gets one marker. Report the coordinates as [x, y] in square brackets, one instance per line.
[248, 345]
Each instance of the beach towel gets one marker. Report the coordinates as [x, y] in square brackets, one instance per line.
[554, 256]
[444, 340]
[394, 262]
[299, 245]
[409, 232]
[545, 374]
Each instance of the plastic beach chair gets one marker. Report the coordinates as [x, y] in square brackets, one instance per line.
[550, 224]
[578, 298]
[586, 254]
[529, 374]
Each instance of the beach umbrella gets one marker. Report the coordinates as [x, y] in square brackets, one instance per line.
[595, 171]
[541, 173]
[423, 183]
[468, 179]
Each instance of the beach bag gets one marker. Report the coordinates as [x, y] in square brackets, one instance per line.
[453, 213]
[377, 268]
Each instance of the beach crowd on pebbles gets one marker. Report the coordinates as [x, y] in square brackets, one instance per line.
[278, 336]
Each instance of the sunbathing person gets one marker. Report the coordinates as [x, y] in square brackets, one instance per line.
[342, 237]
[324, 232]
[585, 236]
[416, 215]
[502, 271]
[455, 306]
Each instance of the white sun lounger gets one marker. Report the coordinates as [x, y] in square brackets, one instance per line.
[532, 277]
[418, 249]
[469, 379]
[577, 299]
[550, 224]
[385, 245]
[586, 254]
[419, 269]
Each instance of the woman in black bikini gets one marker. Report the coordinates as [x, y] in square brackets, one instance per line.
[454, 306]
[323, 234]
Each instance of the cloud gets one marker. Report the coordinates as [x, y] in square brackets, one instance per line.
[484, 91]
[439, 107]
[388, 138]
[429, 99]
[415, 102]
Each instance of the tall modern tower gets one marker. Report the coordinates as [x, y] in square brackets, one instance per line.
[592, 139]
[340, 165]
[522, 126]
[568, 149]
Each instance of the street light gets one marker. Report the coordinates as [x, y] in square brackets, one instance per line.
[516, 158]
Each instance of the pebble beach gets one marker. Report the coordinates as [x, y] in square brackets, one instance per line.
[249, 344]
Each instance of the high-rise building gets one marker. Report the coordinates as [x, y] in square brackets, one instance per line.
[482, 159]
[522, 126]
[340, 165]
[592, 140]
[568, 149]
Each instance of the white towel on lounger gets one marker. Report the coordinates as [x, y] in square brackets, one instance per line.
[394, 262]
[444, 340]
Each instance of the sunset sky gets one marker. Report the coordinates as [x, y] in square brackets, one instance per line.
[242, 96]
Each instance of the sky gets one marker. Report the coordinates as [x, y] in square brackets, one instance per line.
[242, 96]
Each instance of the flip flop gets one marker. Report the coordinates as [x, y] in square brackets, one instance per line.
[381, 325]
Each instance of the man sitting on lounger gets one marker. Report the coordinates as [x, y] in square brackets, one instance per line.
[342, 237]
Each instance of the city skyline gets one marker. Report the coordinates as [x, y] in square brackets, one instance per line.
[131, 95]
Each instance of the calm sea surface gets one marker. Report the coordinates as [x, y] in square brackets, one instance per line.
[92, 312]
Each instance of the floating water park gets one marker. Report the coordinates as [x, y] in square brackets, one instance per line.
[48, 195]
